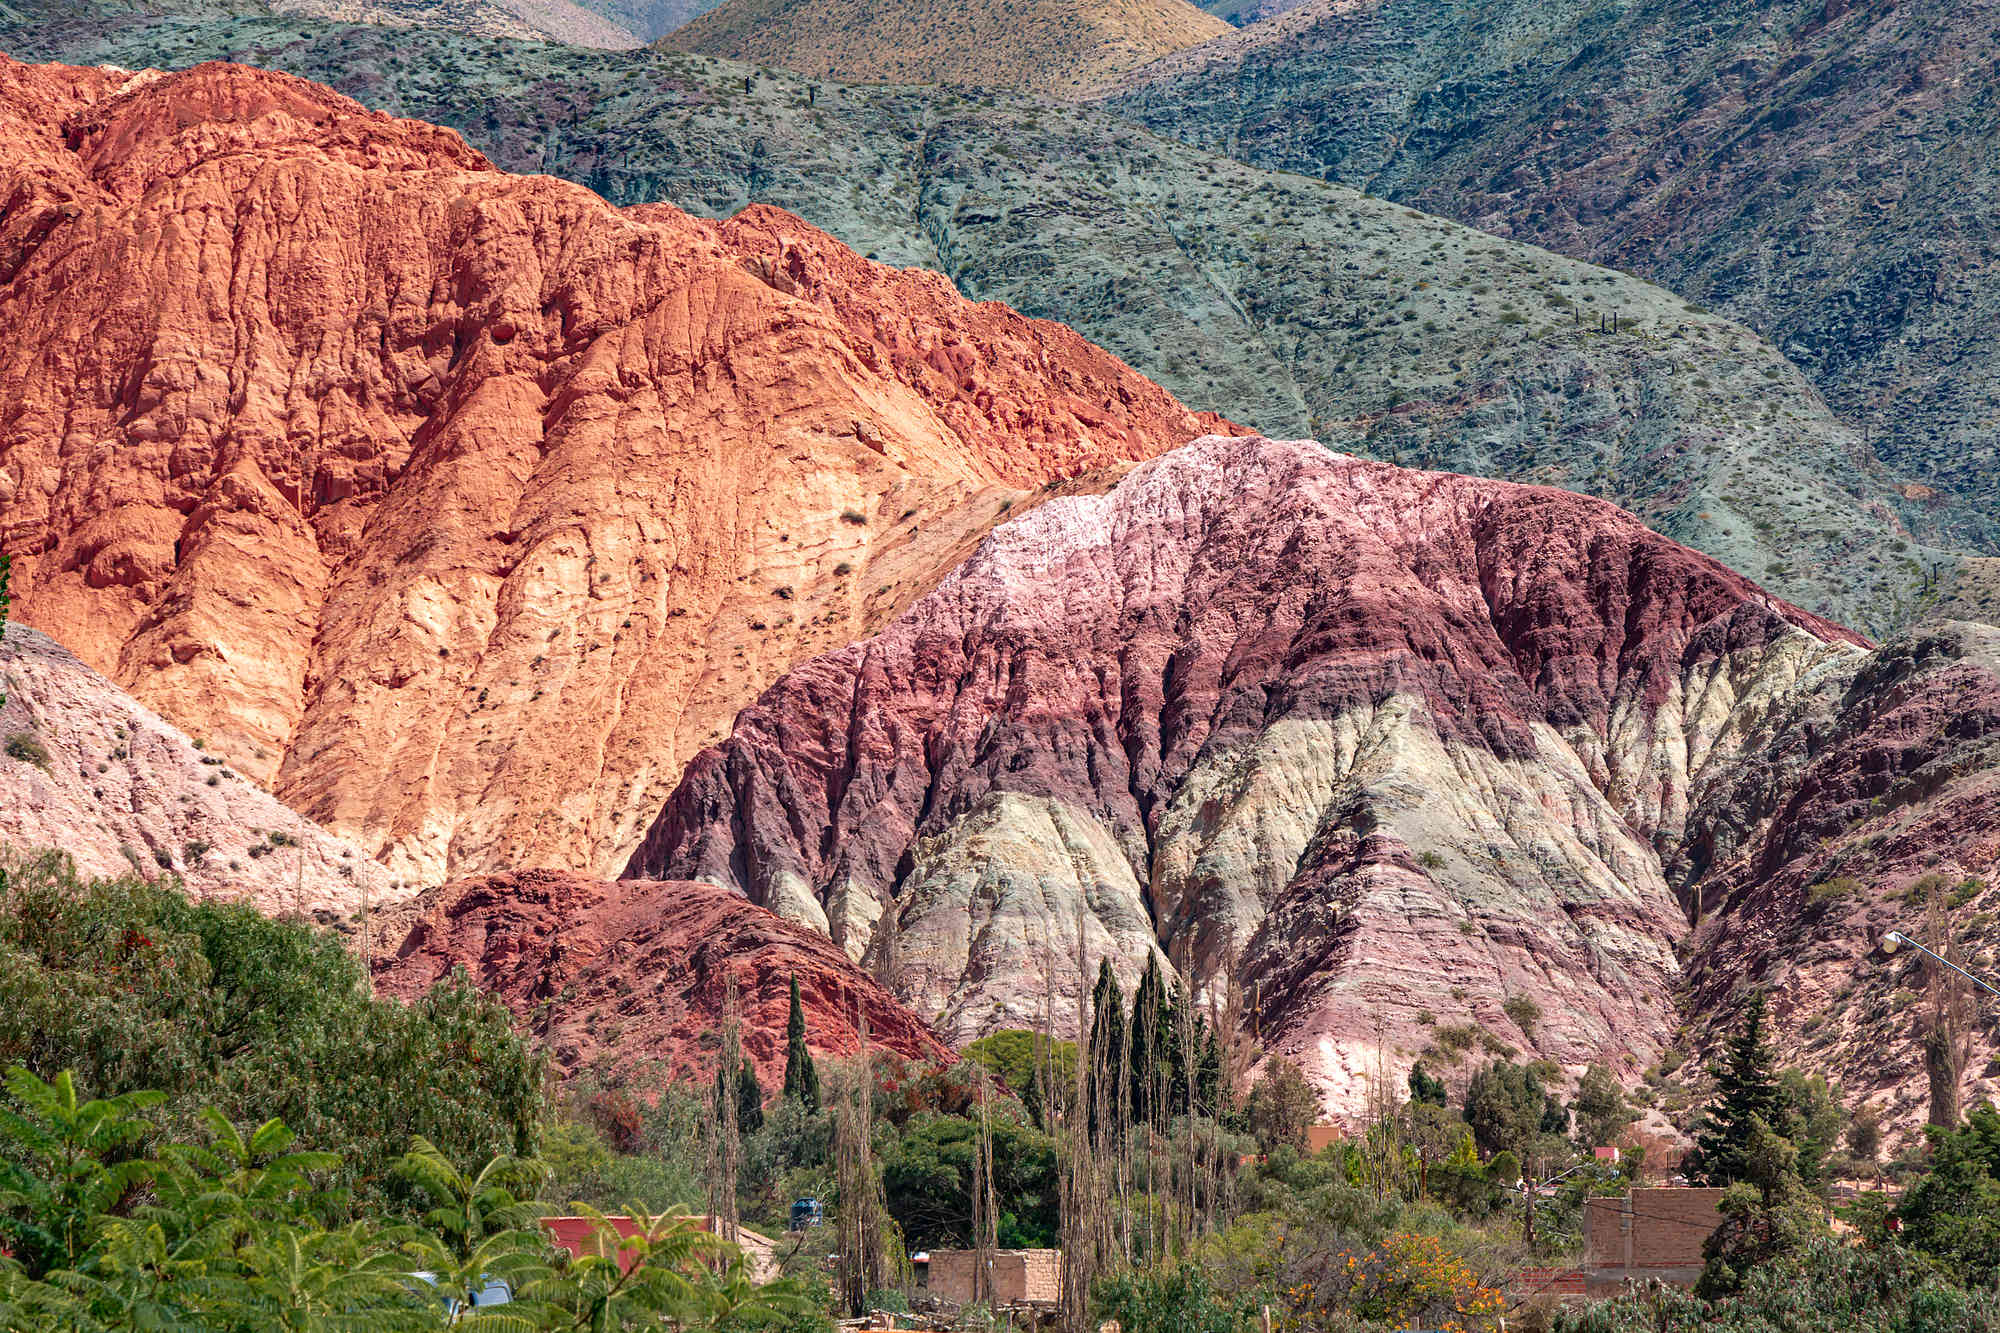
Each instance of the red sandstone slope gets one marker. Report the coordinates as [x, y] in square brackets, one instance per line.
[631, 974]
[462, 507]
[1407, 744]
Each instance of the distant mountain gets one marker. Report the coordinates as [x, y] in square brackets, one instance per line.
[1294, 306]
[1051, 45]
[460, 508]
[1819, 169]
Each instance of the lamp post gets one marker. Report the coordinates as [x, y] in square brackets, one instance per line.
[1896, 939]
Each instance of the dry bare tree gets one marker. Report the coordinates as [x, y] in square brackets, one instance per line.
[985, 1210]
[1081, 1202]
[863, 1265]
[728, 1145]
[1948, 1024]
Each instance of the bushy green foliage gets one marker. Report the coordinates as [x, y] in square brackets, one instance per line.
[927, 1180]
[1953, 1213]
[225, 1232]
[1176, 1298]
[1016, 1057]
[1827, 1287]
[1508, 1108]
[132, 986]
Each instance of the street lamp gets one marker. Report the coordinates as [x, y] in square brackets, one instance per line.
[1896, 939]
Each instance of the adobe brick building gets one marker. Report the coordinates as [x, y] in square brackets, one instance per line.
[1655, 1233]
[1018, 1276]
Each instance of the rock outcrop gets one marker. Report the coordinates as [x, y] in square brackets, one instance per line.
[88, 770]
[620, 978]
[1402, 748]
[460, 507]
[1868, 802]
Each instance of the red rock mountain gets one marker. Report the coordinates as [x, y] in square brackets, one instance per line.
[1435, 759]
[630, 975]
[460, 507]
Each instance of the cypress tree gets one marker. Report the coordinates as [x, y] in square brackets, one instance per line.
[1107, 1035]
[801, 1074]
[749, 1100]
[749, 1097]
[1208, 1073]
[1149, 1007]
[1746, 1091]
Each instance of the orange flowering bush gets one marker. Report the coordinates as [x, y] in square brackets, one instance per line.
[1409, 1278]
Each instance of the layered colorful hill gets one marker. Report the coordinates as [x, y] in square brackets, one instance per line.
[460, 507]
[1414, 754]
[631, 976]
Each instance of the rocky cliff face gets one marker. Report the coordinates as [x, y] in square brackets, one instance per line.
[1404, 747]
[619, 977]
[1868, 794]
[1816, 170]
[88, 770]
[462, 507]
[1299, 307]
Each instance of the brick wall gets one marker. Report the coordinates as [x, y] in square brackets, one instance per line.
[1018, 1275]
[1648, 1233]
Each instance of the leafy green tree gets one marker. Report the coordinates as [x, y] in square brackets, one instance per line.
[130, 985]
[6, 569]
[1426, 1089]
[1602, 1113]
[1282, 1106]
[927, 1180]
[801, 1074]
[1811, 1115]
[1506, 1104]
[1953, 1213]
[1016, 1055]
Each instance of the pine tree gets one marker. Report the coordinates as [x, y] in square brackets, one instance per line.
[1746, 1091]
[5, 563]
[801, 1074]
